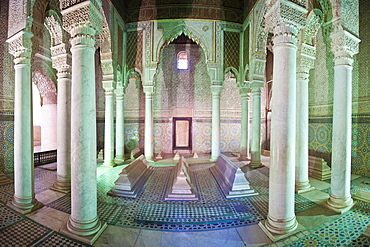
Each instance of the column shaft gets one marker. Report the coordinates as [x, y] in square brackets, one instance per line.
[302, 182]
[109, 129]
[215, 152]
[83, 220]
[281, 218]
[120, 129]
[63, 183]
[340, 196]
[148, 151]
[256, 128]
[24, 199]
[244, 137]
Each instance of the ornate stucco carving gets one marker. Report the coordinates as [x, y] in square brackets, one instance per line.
[285, 12]
[18, 16]
[46, 87]
[53, 23]
[20, 46]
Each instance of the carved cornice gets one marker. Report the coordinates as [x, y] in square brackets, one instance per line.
[82, 14]
[20, 46]
[284, 13]
[344, 46]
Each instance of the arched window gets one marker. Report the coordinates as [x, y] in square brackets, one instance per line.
[182, 60]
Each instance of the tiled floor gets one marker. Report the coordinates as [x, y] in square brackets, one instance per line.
[211, 221]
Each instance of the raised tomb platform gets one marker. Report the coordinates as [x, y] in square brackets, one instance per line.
[318, 168]
[231, 179]
[132, 179]
[180, 187]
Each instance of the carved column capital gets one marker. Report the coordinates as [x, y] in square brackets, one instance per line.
[306, 56]
[20, 46]
[344, 46]
[216, 90]
[62, 59]
[148, 90]
[119, 92]
[258, 64]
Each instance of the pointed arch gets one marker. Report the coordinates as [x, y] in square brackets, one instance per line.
[189, 31]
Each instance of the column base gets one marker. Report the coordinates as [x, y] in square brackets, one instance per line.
[301, 187]
[109, 163]
[63, 187]
[90, 239]
[25, 208]
[339, 205]
[243, 158]
[256, 164]
[213, 159]
[119, 160]
[276, 237]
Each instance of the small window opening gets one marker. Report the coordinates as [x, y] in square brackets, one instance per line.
[182, 60]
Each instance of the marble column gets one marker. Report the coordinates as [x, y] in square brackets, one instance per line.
[256, 125]
[281, 217]
[63, 183]
[24, 198]
[340, 196]
[215, 148]
[120, 125]
[109, 128]
[244, 137]
[148, 148]
[84, 219]
[302, 183]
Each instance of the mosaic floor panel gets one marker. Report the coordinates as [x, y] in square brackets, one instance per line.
[150, 211]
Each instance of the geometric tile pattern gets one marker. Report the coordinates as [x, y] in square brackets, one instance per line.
[309, 241]
[320, 145]
[55, 239]
[5, 197]
[344, 230]
[7, 146]
[45, 179]
[8, 217]
[22, 234]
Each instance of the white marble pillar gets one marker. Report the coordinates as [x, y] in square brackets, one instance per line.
[24, 198]
[340, 197]
[83, 220]
[302, 183]
[120, 125]
[109, 128]
[215, 148]
[148, 139]
[256, 125]
[63, 183]
[281, 217]
[244, 137]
